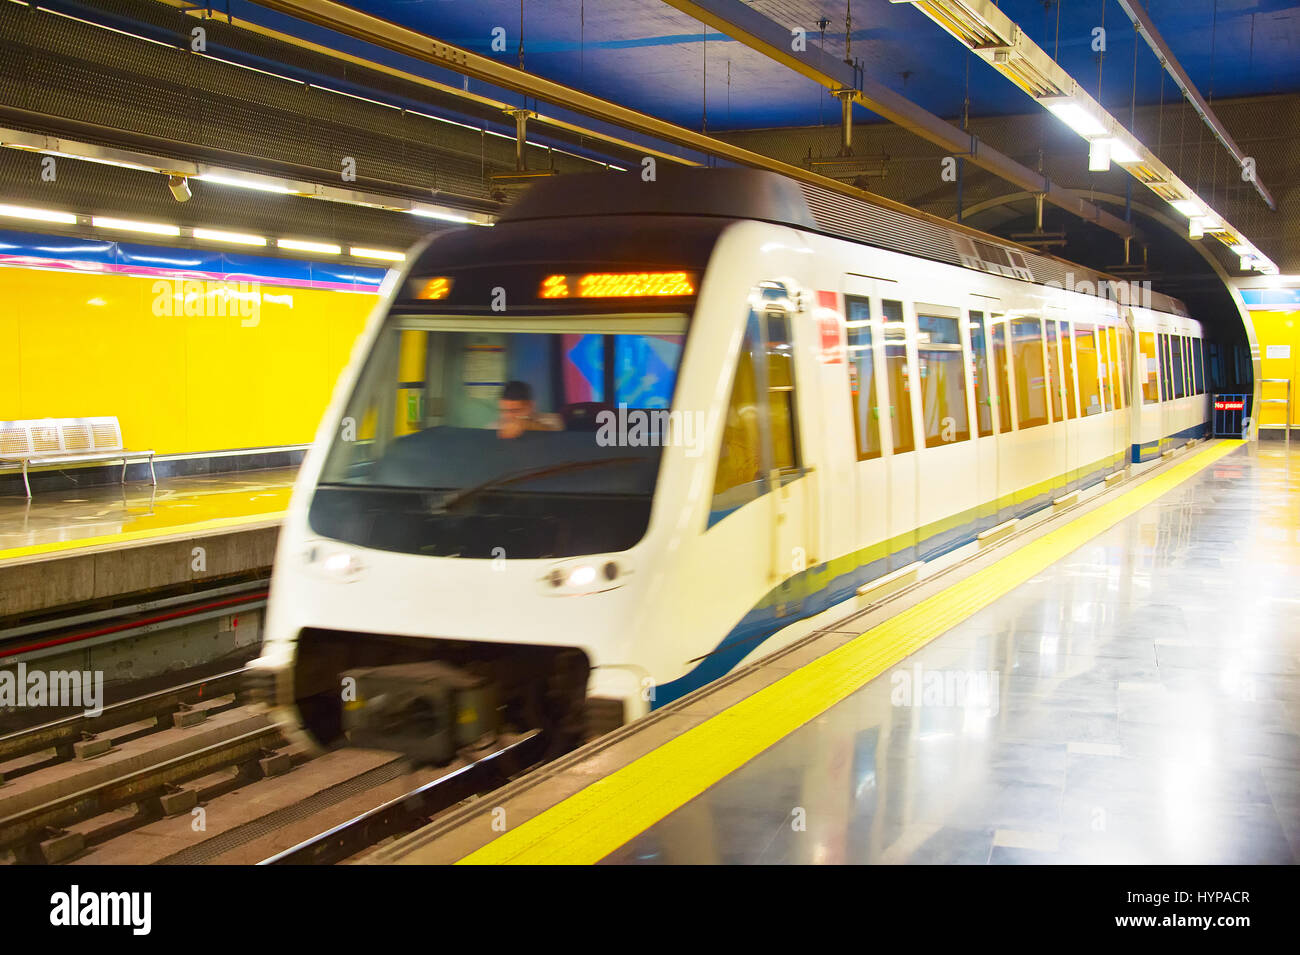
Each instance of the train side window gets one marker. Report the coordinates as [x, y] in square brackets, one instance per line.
[1177, 364]
[941, 372]
[980, 370]
[1067, 382]
[900, 396]
[1085, 350]
[1057, 384]
[1148, 364]
[739, 478]
[862, 377]
[1000, 357]
[1031, 378]
[1187, 363]
[1198, 370]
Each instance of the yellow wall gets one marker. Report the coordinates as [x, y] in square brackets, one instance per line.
[75, 345]
[1278, 328]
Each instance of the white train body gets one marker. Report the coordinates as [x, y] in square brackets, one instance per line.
[724, 570]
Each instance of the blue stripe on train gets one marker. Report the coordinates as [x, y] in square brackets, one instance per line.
[1150, 450]
[810, 597]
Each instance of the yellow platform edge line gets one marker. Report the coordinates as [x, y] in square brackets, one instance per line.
[592, 823]
[162, 534]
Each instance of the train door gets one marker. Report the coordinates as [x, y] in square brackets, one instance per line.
[895, 414]
[900, 364]
[1008, 459]
[772, 329]
[986, 413]
[1065, 450]
[864, 340]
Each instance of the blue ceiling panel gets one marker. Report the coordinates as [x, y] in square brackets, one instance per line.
[645, 54]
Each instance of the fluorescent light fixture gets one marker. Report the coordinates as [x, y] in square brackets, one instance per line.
[1247, 263]
[238, 238]
[1192, 208]
[1241, 248]
[128, 225]
[259, 184]
[1120, 152]
[1077, 118]
[1099, 155]
[383, 254]
[1195, 230]
[298, 245]
[40, 215]
[445, 216]
[121, 164]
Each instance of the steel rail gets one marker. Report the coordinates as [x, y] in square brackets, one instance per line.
[412, 810]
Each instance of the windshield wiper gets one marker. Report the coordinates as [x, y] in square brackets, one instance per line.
[459, 497]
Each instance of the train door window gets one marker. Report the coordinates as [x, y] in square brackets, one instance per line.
[1067, 357]
[900, 395]
[980, 370]
[941, 373]
[1110, 393]
[1198, 370]
[1121, 365]
[781, 411]
[862, 377]
[1148, 365]
[1056, 386]
[1164, 367]
[1085, 351]
[1031, 377]
[739, 478]
[1176, 362]
[1000, 357]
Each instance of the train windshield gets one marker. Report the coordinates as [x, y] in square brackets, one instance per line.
[495, 438]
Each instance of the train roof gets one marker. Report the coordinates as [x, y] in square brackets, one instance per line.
[769, 197]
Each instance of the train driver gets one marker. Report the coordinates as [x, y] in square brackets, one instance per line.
[519, 413]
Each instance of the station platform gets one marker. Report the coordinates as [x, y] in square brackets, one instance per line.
[71, 547]
[1120, 685]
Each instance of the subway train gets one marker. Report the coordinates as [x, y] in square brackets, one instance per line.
[638, 433]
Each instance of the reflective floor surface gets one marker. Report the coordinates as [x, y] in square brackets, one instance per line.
[87, 516]
[1138, 702]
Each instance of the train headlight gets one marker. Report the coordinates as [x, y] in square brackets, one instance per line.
[332, 563]
[584, 577]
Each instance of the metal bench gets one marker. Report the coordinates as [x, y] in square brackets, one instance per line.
[70, 441]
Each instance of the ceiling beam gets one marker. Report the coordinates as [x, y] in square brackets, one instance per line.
[766, 36]
[208, 13]
[407, 42]
[1143, 25]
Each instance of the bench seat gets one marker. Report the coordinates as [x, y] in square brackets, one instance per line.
[66, 441]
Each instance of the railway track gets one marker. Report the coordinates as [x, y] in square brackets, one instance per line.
[190, 774]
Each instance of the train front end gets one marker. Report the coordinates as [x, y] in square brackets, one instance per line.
[469, 547]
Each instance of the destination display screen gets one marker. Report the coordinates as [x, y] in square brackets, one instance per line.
[547, 288]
